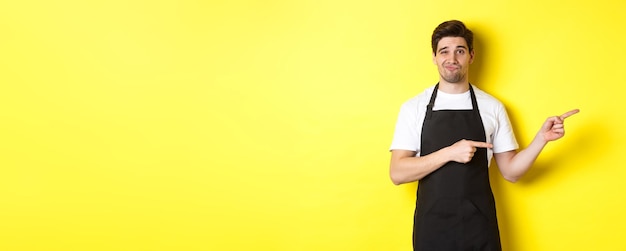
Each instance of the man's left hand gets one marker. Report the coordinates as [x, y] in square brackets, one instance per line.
[553, 128]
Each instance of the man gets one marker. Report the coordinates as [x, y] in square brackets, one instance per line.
[445, 138]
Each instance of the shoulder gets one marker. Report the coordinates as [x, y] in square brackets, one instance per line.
[486, 100]
[419, 100]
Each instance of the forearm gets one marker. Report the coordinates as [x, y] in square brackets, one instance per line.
[405, 169]
[518, 164]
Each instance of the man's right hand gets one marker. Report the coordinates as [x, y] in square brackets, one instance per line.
[463, 150]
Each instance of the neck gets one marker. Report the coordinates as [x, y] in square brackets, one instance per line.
[455, 88]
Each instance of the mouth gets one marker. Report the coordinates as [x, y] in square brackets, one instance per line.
[451, 67]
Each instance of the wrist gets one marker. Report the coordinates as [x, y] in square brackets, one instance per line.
[446, 156]
[540, 140]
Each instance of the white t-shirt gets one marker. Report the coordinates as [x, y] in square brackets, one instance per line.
[497, 125]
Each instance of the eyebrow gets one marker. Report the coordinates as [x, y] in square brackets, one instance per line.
[458, 46]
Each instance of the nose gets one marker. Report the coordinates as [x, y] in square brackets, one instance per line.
[453, 57]
[450, 58]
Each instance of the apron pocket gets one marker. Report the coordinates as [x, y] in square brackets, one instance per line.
[441, 223]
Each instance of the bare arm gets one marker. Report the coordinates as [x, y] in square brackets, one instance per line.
[405, 167]
[513, 165]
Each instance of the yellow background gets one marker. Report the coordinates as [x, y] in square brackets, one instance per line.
[265, 125]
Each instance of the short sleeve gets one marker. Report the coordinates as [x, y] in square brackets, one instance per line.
[503, 138]
[405, 135]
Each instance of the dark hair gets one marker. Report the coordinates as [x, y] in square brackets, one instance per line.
[452, 28]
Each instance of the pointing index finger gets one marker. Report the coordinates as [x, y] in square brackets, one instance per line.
[481, 144]
[570, 113]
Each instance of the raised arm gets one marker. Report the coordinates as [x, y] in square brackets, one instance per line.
[513, 165]
[405, 167]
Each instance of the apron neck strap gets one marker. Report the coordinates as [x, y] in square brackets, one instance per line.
[431, 103]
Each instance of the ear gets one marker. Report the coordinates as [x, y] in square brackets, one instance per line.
[471, 56]
[434, 58]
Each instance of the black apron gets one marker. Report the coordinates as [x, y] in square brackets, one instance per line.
[455, 208]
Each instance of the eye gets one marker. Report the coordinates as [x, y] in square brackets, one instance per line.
[460, 52]
[443, 52]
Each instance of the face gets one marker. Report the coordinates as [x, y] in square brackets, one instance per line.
[453, 58]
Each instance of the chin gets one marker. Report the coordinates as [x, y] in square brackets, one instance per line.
[454, 81]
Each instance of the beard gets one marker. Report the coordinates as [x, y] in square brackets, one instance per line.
[455, 77]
